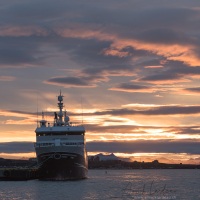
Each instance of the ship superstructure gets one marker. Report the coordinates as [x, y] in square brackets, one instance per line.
[60, 148]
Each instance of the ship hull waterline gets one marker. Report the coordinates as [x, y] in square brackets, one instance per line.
[61, 166]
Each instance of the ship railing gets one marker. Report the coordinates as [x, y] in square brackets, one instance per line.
[61, 144]
[50, 124]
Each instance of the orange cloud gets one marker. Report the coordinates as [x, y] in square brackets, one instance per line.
[18, 31]
[18, 135]
[176, 52]
[154, 67]
[8, 113]
[115, 52]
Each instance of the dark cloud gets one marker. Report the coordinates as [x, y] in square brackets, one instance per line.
[37, 12]
[160, 110]
[79, 81]
[139, 146]
[120, 128]
[195, 89]
[90, 55]
[157, 110]
[18, 112]
[17, 147]
[161, 77]
[163, 36]
[167, 17]
[173, 71]
[180, 68]
[129, 87]
[144, 146]
[190, 130]
[87, 51]
[19, 52]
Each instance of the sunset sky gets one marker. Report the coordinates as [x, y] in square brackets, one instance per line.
[132, 67]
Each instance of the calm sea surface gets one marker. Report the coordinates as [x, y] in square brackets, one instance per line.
[110, 184]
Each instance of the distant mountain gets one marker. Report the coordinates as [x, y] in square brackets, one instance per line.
[102, 157]
[112, 156]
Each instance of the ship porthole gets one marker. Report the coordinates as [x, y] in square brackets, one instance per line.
[57, 156]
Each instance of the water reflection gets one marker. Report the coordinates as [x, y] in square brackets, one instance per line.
[115, 184]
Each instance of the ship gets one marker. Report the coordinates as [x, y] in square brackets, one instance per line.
[61, 147]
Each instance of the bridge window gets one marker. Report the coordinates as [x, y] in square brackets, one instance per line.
[60, 133]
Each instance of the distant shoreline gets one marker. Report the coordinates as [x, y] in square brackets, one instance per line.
[105, 164]
[119, 164]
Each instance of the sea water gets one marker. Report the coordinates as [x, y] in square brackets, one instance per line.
[153, 184]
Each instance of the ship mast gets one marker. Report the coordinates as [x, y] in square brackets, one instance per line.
[60, 106]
